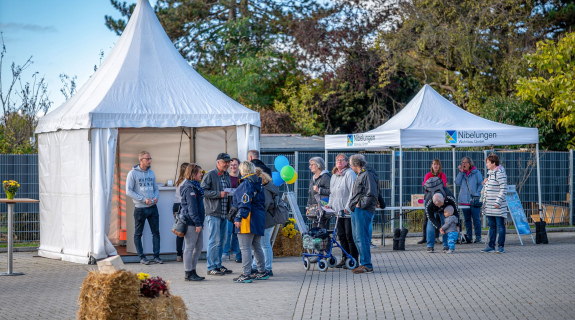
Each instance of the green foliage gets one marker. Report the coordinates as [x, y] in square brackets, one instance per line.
[300, 104]
[551, 84]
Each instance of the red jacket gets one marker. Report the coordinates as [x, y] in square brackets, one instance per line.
[440, 175]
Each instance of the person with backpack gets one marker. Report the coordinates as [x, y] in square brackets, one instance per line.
[340, 187]
[436, 173]
[434, 211]
[470, 181]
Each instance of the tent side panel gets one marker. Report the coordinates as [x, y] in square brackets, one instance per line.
[212, 141]
[247, 142]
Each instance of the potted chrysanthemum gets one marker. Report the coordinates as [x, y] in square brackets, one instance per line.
[10, 187]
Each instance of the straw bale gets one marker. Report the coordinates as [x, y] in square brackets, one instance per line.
[109, 296]
[162, 307]
[286, 247]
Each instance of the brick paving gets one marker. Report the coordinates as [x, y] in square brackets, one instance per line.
[531, 281]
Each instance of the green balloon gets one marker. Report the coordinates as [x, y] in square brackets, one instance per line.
[287, 173]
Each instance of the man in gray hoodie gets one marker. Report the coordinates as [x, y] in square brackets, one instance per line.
[141, 186]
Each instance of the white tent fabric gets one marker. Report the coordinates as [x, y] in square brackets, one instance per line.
[144, 83]
[430, 120]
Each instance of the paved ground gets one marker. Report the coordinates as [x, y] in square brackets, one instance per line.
[531, 281]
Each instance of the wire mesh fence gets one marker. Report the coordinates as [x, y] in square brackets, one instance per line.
[557, 176]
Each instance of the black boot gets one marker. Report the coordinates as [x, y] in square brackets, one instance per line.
[544, 238]
[396, 235]
[188, 276]
[193, 276]
[402, 236]
[538, 232]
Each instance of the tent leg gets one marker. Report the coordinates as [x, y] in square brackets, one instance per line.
[400, 186]
[539, 181]
[454, 172]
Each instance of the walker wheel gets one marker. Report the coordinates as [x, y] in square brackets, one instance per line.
[331, 262]
[306, 263]
[351, 263]
[322, 265]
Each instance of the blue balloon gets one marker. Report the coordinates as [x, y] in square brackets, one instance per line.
[280, 162]
[277, 178]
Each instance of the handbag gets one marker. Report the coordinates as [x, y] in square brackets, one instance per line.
[180, 226]
[475, 200]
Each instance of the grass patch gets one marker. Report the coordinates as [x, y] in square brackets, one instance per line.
[21, 244]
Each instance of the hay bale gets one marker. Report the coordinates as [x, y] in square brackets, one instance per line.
[286, 247]
[109, 296]
[172, 307]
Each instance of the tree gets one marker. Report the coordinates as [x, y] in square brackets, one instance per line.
[551, 83]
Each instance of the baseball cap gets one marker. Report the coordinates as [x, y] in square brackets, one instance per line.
[224, 156]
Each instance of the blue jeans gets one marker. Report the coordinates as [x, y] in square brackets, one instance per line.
[472, 214]
[140, 216]
[217, 232]
[431, 233]
[232, 241]
[360, 224]
[496, 223]
[452, 239]
[266, 242]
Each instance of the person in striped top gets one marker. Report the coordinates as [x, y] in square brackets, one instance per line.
[495, 203]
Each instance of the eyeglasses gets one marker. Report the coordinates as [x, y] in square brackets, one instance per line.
[339, 160]
[312, 164]
[464, 162]
[149, 159]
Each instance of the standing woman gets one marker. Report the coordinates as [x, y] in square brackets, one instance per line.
[495, 203]
[271, 191]
[470, 181]
[176, 209]
[232, 245]
[435, 171]
[340, 187]
[249, 222]
[194, 213]
[318, 184]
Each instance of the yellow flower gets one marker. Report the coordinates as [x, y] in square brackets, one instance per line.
[143, 276]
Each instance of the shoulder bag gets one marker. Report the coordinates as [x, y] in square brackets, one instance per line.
[475, 201]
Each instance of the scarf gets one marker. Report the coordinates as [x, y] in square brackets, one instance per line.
[198, 187]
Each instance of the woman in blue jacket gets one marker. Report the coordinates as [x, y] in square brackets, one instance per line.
[249, 222]
[193, 212]
[470, 181]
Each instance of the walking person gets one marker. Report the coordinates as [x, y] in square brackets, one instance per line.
[271, 191]
[318, 184]
[141, 186]
[435, 171]
[192, 196]
[217, 204]
[495, 203]
[363, 201]
[341, 186]
[470, 181]
[249, 222]
[176, 210]
[232, 246]
[450, 228]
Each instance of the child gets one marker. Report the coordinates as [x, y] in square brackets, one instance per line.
[450, 227]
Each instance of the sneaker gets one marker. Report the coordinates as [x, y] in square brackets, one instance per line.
[500, 250]
[477, 240]
[450, 251]
[341, 264]
[243, 279]
[270, 273]
[371, 245]
[422, 241]
[260, 276]
[238, 259]
[179, 259]
[215, 272]
[158, 261]
[430, 250]
[362, 269]
[488, 249]
[226, 257]
[438, 241]
[445, 249]
[145, 261]
[225, 270]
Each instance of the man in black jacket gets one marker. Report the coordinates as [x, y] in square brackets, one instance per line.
[434, 211]
[254, 157]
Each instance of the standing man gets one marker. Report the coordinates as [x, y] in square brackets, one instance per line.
[254, 157]
[217, 204]
[142, 188]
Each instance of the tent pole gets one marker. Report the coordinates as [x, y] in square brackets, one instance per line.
[194, 146]
[454, 173]
[400, 186]
[392, 177]
[538, 181]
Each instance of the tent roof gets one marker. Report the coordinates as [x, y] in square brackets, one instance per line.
[145, 82]
[430, 120]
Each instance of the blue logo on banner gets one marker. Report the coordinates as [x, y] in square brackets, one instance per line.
[450, 136]
[350, 140]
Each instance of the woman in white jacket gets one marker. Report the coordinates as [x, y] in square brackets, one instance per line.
[340, 187]
[495, 203]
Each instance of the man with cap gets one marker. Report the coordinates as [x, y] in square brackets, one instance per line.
[216, 203]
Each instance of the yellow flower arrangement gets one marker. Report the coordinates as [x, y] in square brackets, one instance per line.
[289, 229]
[11, 186]
[143, 276]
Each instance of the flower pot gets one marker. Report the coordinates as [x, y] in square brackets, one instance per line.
[10, 195]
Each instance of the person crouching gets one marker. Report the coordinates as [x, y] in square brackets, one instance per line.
[450, 228]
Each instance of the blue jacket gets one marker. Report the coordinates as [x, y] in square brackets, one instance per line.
[249, 199]
[474, 179]
[192, 204]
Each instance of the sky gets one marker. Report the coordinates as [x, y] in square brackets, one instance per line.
[62, 36]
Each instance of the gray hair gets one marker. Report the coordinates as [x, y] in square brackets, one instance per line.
[438, 198]
[246, 168]
[471, 164]
[319, 162]
[357, 160]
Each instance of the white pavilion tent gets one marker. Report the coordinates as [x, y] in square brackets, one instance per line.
[431, 121]
[145, 96]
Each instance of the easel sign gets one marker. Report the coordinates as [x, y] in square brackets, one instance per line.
[517, 214]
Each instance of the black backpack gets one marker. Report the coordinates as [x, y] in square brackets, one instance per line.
[434, 185]
[280, 212]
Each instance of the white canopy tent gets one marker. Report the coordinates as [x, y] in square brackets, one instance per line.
[145, 96]
[431, 121]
